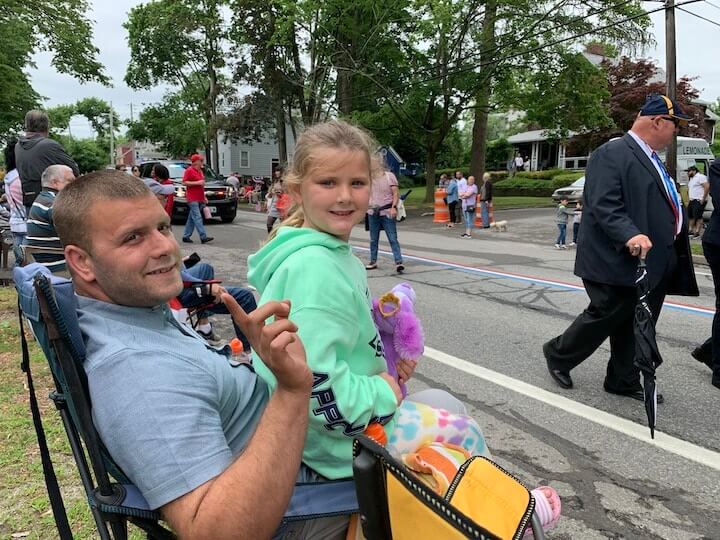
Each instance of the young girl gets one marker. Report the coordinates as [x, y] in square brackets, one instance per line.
[273, 196]
[308, 260]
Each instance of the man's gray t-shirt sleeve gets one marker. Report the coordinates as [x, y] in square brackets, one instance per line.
[168, 442]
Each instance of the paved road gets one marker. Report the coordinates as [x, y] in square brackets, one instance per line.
[487, 305]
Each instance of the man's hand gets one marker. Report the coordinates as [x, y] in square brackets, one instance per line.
[276, 343]
[639, 245]
[392, 383]
[217, 291]
[405, 369]
[392, 212]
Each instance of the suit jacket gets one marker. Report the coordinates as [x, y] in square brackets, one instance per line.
[625, 196]
[712, 232]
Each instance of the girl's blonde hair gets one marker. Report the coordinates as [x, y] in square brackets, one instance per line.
[336, 135]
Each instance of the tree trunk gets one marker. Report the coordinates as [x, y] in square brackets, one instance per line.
[430, 161]
[281, 134]
[482, 97]
[212, 127]
[479, 132]
[343, 93]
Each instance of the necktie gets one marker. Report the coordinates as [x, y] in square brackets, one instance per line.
[671, 191]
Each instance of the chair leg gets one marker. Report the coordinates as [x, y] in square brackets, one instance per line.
[537, 528]
[119, 528]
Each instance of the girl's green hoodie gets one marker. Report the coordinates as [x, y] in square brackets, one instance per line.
[331, 305]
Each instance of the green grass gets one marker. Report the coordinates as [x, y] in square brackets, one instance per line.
[24, 505]
[416, 200]
[696, 249]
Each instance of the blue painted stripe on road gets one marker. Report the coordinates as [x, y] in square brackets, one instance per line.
[697, 310]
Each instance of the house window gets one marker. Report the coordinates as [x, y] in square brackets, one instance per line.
[223, 160]
[244, 159]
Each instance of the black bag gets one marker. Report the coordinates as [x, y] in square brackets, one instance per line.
[470, 209]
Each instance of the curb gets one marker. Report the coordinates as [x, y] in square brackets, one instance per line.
[699, 260]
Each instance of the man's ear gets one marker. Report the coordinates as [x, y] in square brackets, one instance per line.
[80, 262]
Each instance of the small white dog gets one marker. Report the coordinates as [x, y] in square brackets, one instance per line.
[499, 225]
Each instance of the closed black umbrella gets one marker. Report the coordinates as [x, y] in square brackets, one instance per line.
[647, 355]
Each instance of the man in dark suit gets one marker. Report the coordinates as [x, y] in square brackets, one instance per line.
[709, 352]
[632, 209]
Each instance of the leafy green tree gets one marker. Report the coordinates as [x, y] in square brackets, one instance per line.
[181, 43]
[175, 125]
[30, 26]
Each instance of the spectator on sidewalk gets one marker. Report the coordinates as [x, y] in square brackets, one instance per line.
[519, 163]
[468, 197]
[485, 200]
[14, 197]
[382, 214]
[577, 218]
[161, 175]
[561, 219]
[35, 152]
[452, 201]
[698, 189]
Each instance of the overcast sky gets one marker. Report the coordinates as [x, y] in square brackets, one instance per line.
[698, 50]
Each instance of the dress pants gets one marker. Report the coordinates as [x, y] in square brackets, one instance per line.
[609, 315]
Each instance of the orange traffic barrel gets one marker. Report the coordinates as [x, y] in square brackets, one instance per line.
[478, 214]
[441, 210]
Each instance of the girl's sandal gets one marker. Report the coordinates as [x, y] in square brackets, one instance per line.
[371, 266]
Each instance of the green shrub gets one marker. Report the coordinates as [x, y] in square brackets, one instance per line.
[408, 181]
[540, 175]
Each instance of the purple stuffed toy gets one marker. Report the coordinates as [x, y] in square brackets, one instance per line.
[399, 328]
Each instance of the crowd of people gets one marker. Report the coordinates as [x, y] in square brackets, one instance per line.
[194, 431]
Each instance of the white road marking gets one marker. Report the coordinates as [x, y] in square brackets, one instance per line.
[662, 440]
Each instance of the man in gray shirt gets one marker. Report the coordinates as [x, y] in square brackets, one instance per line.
[202, 440]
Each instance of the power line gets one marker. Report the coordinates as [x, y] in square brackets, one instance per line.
[699, 16]
[713, 5]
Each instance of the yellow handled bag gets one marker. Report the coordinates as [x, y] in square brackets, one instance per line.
[484, 501]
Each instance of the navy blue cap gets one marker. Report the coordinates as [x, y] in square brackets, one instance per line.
[657, 104]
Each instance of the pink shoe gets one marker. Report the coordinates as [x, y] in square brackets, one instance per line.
[547, 508]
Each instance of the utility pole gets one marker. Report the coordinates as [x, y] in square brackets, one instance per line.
[131, 113]
[671, 83]
[112, 137]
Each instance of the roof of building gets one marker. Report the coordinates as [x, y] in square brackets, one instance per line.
[534, 136]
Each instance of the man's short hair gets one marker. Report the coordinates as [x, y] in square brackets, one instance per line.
[71, 210]
[52, 174]
[37, 121]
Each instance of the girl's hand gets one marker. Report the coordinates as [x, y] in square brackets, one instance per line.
[405, 369]
[392, 383]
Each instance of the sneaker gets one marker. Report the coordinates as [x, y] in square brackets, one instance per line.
[463, 235]
[211, 337]
[207, 239]
[572, 244]
[371, 266]
[187, 240]
[563, 246]
[557, 246]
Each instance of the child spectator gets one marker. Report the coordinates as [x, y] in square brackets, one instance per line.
[577, 217]
[272, 198]
[561, 219]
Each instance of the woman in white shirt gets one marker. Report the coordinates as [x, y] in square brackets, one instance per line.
[13, 193]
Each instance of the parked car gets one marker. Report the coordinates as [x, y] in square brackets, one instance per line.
[573, 192]
[222, 198]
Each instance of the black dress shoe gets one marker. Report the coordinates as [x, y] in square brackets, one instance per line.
[559, 376]
[701, 356]
[187, 240]
[207, 239]
[638, 395]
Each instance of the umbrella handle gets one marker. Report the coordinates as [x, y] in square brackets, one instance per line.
[641, 263]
